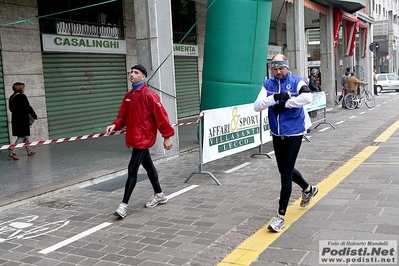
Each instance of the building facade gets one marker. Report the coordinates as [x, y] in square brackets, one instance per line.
[75, 58]
[386, 35]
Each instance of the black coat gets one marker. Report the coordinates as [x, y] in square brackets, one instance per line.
[20, 108]
[313, 84]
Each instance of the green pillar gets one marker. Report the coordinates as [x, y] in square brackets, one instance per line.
[235, 52]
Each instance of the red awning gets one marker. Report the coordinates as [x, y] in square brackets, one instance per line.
[352, 25]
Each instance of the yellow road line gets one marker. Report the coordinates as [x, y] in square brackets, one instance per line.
[387, 133]
[252, 247]
[343, 162]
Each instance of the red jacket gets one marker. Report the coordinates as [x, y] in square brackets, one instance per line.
[142, 113]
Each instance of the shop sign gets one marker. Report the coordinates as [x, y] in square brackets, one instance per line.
[74, 44]
[185, 50]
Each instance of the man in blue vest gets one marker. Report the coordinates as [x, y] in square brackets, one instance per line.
[285, 96]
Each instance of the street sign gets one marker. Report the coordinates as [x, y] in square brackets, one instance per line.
[388, 57]
[374, 46]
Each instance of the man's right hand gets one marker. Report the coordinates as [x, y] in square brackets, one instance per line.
[109, 129]
[281, 96]
[278, 108]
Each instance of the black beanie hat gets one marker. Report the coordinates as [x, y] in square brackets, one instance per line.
[141, 68]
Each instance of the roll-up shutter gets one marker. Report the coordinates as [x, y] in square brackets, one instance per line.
[83, 92]
[187, 86]
[3, 110]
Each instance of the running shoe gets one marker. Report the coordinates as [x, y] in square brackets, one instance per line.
[121, 211]
[156, 199]
[277, 224]
[307, 196]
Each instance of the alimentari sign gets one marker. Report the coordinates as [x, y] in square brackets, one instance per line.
[74, 44]
[185, 50]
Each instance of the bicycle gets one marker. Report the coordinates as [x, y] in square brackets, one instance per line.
[352, 100]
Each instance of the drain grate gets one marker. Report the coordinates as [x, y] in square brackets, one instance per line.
[114, 183]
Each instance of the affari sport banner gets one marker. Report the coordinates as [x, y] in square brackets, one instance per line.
[230, 130]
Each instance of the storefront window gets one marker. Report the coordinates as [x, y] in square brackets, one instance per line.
[273, 33]
[183, 18]
[82, 17]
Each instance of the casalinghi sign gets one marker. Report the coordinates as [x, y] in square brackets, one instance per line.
[59, 43]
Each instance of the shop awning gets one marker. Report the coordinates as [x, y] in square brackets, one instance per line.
[353, 24]
[312, 5]
[350, 6]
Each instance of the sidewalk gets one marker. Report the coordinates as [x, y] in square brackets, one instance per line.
[71, 164]
[203, 222]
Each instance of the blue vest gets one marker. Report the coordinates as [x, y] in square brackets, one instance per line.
[291, 121]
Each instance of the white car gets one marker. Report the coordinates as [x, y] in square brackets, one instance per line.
[387, 81]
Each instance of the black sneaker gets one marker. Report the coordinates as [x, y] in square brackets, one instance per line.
[307, 196]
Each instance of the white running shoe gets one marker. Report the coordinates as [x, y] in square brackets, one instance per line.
[277, 224]
[155, 200]
[121, 211]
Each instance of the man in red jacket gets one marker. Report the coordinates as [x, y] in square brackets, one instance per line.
[142, 113]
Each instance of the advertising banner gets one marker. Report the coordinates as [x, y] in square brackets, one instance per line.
[266, 133]
[230, 130]
[318, 101]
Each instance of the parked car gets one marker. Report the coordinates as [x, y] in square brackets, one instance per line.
[387, 81]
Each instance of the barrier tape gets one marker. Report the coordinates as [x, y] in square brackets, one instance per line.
[91, 136]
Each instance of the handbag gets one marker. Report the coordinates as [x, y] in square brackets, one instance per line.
[31, 120]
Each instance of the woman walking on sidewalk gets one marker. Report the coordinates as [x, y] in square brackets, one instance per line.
[20, 112]
[285, 96]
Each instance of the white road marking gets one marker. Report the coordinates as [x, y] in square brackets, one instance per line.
[363, 112]
[352, 116]
[324, 129]
[74, 238]
[101, 226]
[237, 167]
[340, 122]
[170, 196]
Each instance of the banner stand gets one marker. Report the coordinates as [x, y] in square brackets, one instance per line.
[201, 160]
[318, 103]
[260, 153]
[324, 120]
[261, 142]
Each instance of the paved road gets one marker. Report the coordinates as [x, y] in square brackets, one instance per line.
[203, 222]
